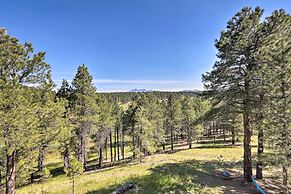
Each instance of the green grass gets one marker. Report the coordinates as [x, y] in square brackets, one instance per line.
[159, 173]
[184, 170]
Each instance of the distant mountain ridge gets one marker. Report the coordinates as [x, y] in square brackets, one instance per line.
[146, 90]
[140, 90]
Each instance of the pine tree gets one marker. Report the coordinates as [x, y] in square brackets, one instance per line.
[187, 113]
[104, 126]
[84, 109]
[66, 137]
[232, 75]
[75, 168]
[50, 122]
[173, 116]
[275, 56]
[117, 113]
[20, 70]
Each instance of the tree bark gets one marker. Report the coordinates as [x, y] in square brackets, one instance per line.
[11, 173]
[189, 137]
[118, 143]
[100, 156]
[66, 158]
[73, 186]
[259, 168]
[122, 145]
[133, 142]
[106, 139]
[285, 179]
[115, 143]
[140, 151]
[0, 177]
[248, 173]
[110, 139]
[41, 152]
[233, 136]
[285, 133]
[259, 165]
[82, 150]
[172, 139]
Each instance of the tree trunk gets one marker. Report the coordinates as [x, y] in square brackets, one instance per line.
[106, 139]
[233, 136]
[140, 151]
[11, 173]
[110, 139]
[0, 178]
[41, 152]
[115, 143]
[31, 178]
[66, 155]
[259, 168]
[259, 165]
[122, 145]
[189, 137]
[82, 150]
[73, 186]
[164, 147]
[118, 143]
[285, 132]
[133, 142]
[285, 179]
[247, 144]
[172, 139]
[100, 156]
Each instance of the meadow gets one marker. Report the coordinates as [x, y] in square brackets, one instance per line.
[183, 170]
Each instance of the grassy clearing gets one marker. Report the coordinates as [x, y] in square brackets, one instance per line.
[183, 170]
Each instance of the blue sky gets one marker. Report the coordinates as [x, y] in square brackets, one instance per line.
[126, 44]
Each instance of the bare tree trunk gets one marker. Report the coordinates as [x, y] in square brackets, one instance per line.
[214, 131]
[118, 143]
[115, 143]
[106, 139]
[133, 143]
[100, 156]
[189, 137]
[233, 136]
[172, 139]
[140, 151]
[110, 139]
[122, 144]
[11, 173]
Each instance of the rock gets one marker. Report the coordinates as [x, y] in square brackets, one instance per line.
[225, 174]
[123, 188]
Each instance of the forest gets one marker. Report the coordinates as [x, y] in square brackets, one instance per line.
[247, 99]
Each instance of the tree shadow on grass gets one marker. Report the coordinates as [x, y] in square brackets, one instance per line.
[191, 176]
